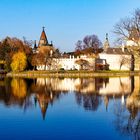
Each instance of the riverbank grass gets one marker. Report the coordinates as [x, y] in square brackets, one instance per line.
[71, 73]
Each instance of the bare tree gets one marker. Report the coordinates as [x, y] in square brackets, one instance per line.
[128, 32]
[124, 61]
[90, 43]
[129, 29]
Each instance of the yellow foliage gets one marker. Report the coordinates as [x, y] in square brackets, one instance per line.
[19, 88]
[19, 61]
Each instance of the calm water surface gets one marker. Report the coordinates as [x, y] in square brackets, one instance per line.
[96, 108]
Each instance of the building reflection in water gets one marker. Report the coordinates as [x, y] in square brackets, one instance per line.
[127, 118]
[89, 93]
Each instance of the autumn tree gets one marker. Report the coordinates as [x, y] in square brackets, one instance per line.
[19, 61]
[19, 88]
[10, 46]
[82, 63]
[55, 60]
[50, 55]
[89, 44]
[37, 59]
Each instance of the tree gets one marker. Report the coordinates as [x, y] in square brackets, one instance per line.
[124, 61]
[37, 59]
[19, 61]
[47, 54]
[90, 44]
[129, 29]
[19, 88]
[10, 46]
[83, 63]
[50, 55]
[128, 32]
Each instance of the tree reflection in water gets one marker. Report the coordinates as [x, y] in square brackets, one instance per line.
[128, 117]
[89, 93]
[88, 101]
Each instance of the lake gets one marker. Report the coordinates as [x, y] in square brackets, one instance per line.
[93, 108]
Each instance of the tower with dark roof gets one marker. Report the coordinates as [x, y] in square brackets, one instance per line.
[35, 47]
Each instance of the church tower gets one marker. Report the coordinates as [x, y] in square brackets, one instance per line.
[44, 46]
[43, 39]
[106, 44]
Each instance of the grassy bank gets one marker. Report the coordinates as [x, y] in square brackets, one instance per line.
[71, 74]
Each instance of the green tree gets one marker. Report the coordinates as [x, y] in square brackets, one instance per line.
[19, 61]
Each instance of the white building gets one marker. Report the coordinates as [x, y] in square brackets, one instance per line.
[70, 63]
[116, 58]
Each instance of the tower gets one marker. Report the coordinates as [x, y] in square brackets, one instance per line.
[35, 47]
[106, 44]
[43, 39]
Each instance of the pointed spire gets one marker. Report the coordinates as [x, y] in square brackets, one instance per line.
[51, 43]
[106, 44]
[106, 36]
[43, 38]
[35, 46]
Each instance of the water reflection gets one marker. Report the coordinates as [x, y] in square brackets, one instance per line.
[90, 94]
[87, 91]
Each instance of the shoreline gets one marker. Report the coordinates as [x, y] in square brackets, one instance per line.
[71, 74]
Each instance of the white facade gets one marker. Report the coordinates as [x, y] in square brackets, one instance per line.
[69, 63]
[117, 61]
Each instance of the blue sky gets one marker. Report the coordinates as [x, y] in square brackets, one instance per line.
[66, 21]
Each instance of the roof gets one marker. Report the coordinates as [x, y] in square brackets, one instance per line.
[117, 51]
[43, 35]
[43, 39]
